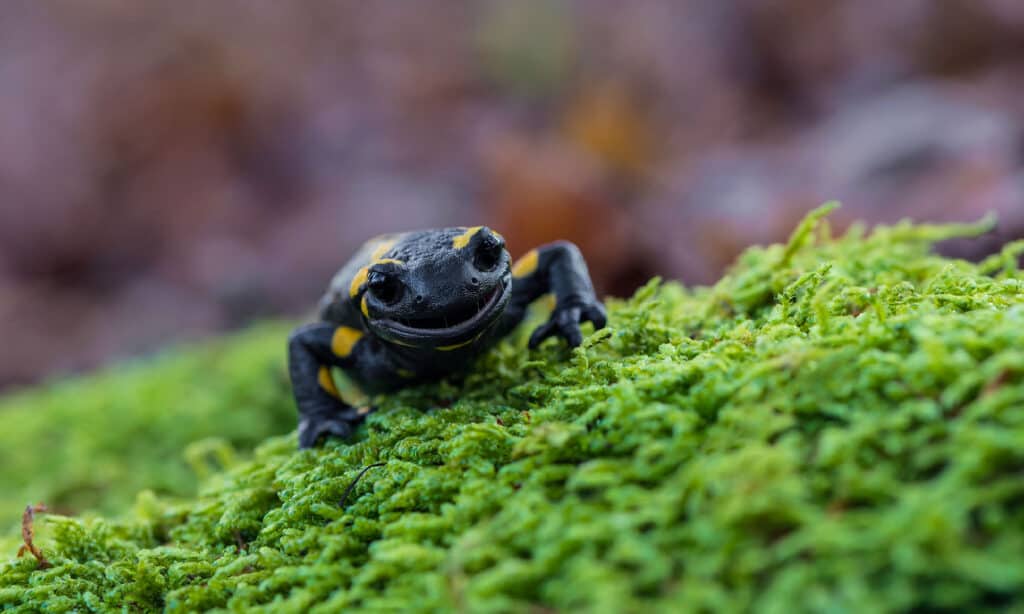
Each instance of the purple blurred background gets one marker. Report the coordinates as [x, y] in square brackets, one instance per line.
[173, 169]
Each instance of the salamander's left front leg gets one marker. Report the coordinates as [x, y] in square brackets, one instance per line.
[312, 351]
[322, 412]
[558, 268]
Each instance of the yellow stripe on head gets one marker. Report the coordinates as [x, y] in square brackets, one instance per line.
[382, 249]
[463, 239]
[358, 281]
[527, 264]
[344, 340]
[326, 381]
[364, 307]
[389, 261]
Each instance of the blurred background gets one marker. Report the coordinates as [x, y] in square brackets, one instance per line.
[173, 169]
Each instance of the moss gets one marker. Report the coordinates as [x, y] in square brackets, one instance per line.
[837, 425]
[94, 443]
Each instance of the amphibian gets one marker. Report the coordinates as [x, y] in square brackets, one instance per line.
[420, 305]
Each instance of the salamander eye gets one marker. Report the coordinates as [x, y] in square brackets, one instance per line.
[488, 252]
[386, 288]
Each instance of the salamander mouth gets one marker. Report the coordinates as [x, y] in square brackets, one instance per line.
[454, 324]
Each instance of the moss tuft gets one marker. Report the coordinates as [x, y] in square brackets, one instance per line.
[837, 424]
[91, 444]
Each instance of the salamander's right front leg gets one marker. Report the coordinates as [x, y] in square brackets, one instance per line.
[312, 351]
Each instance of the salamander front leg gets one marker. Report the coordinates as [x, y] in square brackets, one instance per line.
[312, 351]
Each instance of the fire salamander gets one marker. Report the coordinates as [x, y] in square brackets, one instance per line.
[417, 306]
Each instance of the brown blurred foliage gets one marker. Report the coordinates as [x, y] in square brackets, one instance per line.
[169, 169]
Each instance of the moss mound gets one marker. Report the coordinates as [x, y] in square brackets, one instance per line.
[94, 443]
[837, 425]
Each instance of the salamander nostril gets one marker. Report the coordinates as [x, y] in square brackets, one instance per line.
[474, 281]
[419, 299]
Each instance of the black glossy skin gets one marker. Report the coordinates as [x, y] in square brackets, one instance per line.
[420, 305]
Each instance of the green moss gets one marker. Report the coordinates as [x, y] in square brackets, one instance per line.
[94, 443]
[837, 425]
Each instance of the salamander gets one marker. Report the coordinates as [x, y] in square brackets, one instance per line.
[417, 306]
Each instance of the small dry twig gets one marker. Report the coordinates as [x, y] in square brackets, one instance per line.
[28, 534]
[239, 541]
[344, 496]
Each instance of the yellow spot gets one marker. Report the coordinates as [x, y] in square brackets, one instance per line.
[388, 261]
[358, 281]
[364, 307]
[382, 249]
[327, 382]
[449, 348]
[407, 374]
[344, 340]
[526, 265]
[463, 239]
